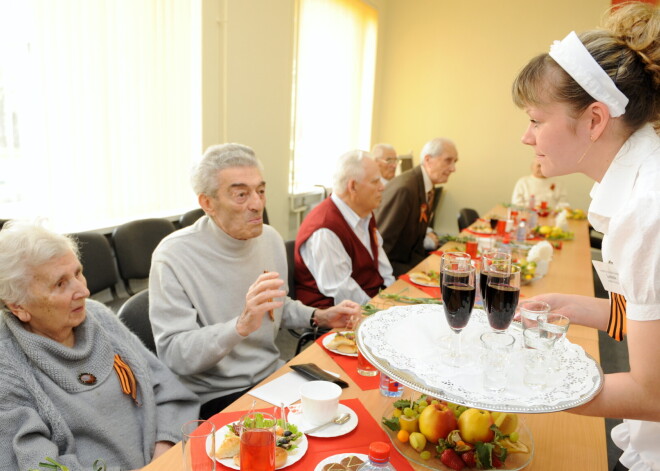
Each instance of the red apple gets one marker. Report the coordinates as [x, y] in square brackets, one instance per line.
[474, 425]
[436, 421]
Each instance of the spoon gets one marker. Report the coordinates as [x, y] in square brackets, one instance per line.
[339, 420]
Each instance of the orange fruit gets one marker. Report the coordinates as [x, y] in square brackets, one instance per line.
[403, 436]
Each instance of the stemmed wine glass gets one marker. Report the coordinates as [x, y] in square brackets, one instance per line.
[488, 260]
[458, 293]
[452, 259]
[502, 293]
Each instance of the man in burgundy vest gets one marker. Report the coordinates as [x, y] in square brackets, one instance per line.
[339, 252]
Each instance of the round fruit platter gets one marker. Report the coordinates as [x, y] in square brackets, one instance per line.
[419, 364]
[427, 454]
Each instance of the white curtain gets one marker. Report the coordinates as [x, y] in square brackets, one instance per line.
[103, 98]
[334, 86]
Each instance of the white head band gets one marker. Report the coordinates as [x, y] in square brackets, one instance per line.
[576, 60]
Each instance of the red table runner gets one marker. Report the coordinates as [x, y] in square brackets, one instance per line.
[349, 365]
[357, 441]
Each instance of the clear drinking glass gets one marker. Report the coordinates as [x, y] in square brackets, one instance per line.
[530, 311]
[197, 437]
[502, 293]
[258, 436]
[497, 347]
[458, 294]
[553, 327]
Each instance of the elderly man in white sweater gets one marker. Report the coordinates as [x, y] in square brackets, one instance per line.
[217, 297]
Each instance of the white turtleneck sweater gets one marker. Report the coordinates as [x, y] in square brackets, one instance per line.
[197, 286]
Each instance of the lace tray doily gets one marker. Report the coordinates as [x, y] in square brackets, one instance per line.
[407, 342]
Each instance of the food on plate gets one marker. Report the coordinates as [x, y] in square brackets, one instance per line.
[229, 447]
[527, 269]
[474, 425]
[417, 441]
[436, 421]
[482, 228]
[430, 277]
[351, 463]
[343, 342]
[334, 467]
[553, 233]
[575, 213]
[280, 457]
[479, 439]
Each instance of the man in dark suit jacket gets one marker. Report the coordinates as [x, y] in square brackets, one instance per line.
[406, 210]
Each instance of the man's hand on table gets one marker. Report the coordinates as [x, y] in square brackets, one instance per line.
[260, 302]
[345, 314]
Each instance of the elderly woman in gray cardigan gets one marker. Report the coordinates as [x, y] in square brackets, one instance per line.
[75, 384]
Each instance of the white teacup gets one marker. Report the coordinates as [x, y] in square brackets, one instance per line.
[320, 401]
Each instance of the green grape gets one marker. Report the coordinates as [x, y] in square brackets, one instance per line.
[514, 437]
[435, 402]
[425, 455]
[422, 406]
[456, 413]
[408, 412]
[462, 409]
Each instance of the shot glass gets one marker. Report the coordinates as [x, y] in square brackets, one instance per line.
[553, 327]
[497, 347]
[536, 359]
[198, 443]
[530, 311]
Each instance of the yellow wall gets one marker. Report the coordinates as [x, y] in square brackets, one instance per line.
[444, 69]
[247, 76]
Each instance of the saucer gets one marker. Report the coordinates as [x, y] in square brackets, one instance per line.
[329, 431]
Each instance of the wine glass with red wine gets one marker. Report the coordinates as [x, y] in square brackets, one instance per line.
[490, 259]
[458, 294]
[502, 294]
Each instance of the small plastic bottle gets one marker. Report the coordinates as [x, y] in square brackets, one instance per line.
[379, 458]
[521, 233]
[389, 387]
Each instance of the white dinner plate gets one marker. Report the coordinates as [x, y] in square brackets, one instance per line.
[329, 338]
[294, 456]
[421, 281]
[329, 431]
[338, 458]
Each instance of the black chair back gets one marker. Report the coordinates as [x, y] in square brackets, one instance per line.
[134, 243]
[189, 218]
[291, 279]
[98, 262]
[466, 216]
[134, 313]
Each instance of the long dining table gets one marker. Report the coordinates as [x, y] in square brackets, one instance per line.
[562, 440]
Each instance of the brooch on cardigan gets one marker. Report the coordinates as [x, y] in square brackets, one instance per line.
[87, 378]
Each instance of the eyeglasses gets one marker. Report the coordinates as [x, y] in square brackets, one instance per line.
[391, 160]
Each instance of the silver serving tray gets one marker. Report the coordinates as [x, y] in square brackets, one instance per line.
[372, 339]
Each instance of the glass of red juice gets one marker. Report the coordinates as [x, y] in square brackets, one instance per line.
[257, 432]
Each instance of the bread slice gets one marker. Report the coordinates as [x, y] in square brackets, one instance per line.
[342, 343]
[229, 447]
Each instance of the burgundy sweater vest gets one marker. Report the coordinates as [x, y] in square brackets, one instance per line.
[365, 269]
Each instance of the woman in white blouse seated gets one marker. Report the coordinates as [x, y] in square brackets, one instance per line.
[550, 190]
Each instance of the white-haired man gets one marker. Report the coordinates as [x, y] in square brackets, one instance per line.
[387, 160]
[408, 204]
[217, 300]
[339, 253]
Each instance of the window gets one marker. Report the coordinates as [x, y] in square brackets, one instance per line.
[333, 86]
[100, 115]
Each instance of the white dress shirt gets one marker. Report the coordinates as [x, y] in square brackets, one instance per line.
[329, 263]
[625, 207]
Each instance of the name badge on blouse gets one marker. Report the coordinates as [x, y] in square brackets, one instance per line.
[608, 275]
